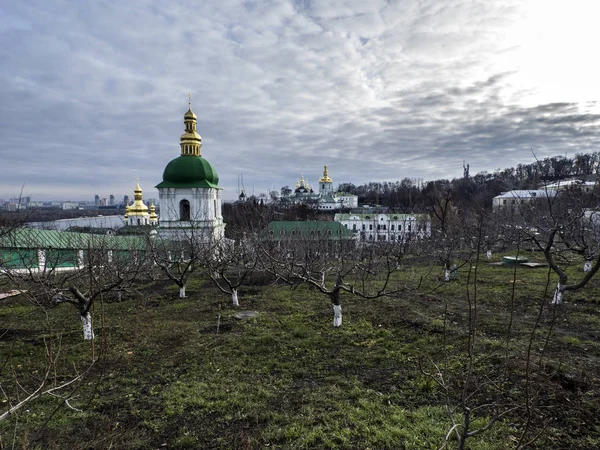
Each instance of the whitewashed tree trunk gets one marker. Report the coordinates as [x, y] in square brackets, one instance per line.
[234, 297]
[587, 266]
[488, 254]
[337, 316]
[323, 278]
[558, 295]
[41, 260]
[182, 292]
[447, 275]
[88, 330]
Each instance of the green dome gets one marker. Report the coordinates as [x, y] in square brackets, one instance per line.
[189, 171]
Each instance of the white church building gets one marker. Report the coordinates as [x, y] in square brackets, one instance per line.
[326, 199]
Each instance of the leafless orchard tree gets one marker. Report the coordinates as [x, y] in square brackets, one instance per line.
[333, 265]
[179, 255]
[564, 228]
[232, 263]
[49, 268]
[73, 268]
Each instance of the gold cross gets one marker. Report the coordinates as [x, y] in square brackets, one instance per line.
[190, 99]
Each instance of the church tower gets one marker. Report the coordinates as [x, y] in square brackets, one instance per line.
[190, 197]
[325, 183]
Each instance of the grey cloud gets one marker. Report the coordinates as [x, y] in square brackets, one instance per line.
[93, 95]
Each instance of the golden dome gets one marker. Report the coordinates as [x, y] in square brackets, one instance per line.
[137, 208]
[153, 215]
[325, 178]
[189, 114]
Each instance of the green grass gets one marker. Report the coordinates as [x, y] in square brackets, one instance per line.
[288, 380]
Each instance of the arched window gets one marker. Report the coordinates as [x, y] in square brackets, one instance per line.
[184, 210]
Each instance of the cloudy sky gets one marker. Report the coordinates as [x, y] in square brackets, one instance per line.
[92, 94]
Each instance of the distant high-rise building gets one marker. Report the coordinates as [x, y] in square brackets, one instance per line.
[97, 200]
[111, 200]
[126, 200]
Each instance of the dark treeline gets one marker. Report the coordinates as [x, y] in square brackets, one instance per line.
[477, 190]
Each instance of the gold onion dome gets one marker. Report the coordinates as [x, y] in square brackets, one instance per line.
[153, 215]
[137, 208]
[325, 178]
[189, 114]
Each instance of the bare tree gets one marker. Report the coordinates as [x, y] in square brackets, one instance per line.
[57, 267]
[565, 230]
[332, 263]
[231, 264]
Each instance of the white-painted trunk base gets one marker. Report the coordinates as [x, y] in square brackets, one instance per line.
[88, 330]
[446, 275]
[489, 254]
[558, 295]
[182, 292]
[587, 266]
[337, 316]
[234, 298]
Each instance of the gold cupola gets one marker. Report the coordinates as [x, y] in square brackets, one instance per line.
[190, 140]
[325, 178]
[153, 216]
[137, 208]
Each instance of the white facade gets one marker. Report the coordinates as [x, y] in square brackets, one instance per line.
[512, 199]
[386, 227]
[347, 200]
[191, 209]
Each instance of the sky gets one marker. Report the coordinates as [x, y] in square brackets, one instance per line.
[92, 94]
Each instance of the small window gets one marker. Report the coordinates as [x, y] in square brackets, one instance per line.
[395, 217]
[328, 231]
[364, 227]
[354, 227]
[282, 232]
[271, 232]
[312, 231]
[378, 227]
[392, 228]
[371, 227]
[367, 217]
[385, 227]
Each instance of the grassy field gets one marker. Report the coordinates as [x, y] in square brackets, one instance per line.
[184, 373]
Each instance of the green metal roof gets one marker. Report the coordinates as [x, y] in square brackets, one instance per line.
[29, 238]
[315, 229]
[189, 171]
